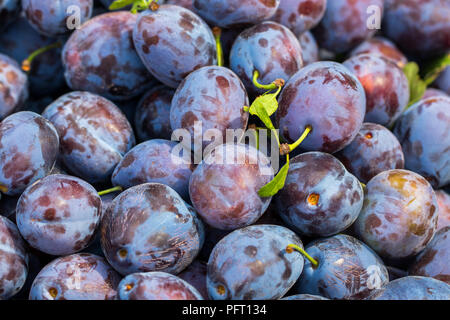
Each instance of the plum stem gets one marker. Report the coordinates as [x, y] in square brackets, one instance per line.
[286, 148]
[363, 185]
[217, 34]
[278, 83]
[111, 190]
[291, 247]
[26, 64]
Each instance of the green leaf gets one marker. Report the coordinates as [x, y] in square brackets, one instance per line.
[417, 86]
[434, 68]
[276, 184]
[267, 101]
[119, 4]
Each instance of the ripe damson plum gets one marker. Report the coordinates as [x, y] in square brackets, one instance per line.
[433, 261]
[172, 42]
[13, 86]
[154, 161]
[320, 197]
[345, 24]
[9, 11]
[156, 286]
[269, 48]
[443, 199]
[58, 214]
[150, 228]
[82, 276]
[310, 49]
[152, 117]
[399, 215]
[300, 15]
[423, 131]
[443, 81]
[347, 269]
[413, 288]
[13, 259]
[385, 102]
[28, 150]
[252, 264]
[56, 17]
[100, 57]
[94, 134]
[224, 186]
[375, 149]
[19, 41]
[419, 28]
[213, 98]
[232, 13]
[382, 47]
[195, 275]
[327, 97]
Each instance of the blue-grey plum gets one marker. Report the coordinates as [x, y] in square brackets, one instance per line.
[57, 17]
[345, 24]
[413, 288]
[195, 275]
[224, 186]
[433, 260]
[310, 48]
[327, 97]
[443, 199]
[152, 116]
[347, 269]
[82, 276]
[320, 197]
[9, 11]
[94, 134]
[58, 214]
[423, 133]
[252, 264]
[100, 57]
[374, 150]
[156, 286]
[271, 49]
[13, 259]
[385, 102]
[211, 98]
[150, 228]
[443, 81]
[172, 42]
[155, 161]
[28, 150]
[232, 13]
[432, 92]
[13, 86]
[399, 215]
[304, 297]
[300, 15]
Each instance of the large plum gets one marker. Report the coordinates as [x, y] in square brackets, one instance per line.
[399, 215]
[375, 149]
[252, 264]
[320, 197]
[385, 102]
[156, 286]
[345, 24]
[423, 131]
[211, 98]
[154, 161]
[100, 57]
[94, 134]
[58, 214]
[13, 86]
[269, 48]
[82, 276]
[150, 228]
[443, 199]
[13, 259]
[28, 150]
[224, 186]
[347, 269]
[310, 49]
[327, 97]
[172, 42]
[418, 27]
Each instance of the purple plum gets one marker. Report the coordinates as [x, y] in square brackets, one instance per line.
[443, 199]
[310, 48]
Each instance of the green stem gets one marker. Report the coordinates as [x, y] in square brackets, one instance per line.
[303, 252]
[363, 185]
[217, 33]
[271, 86]
[111, 190]
[300, 140]
[26, 64]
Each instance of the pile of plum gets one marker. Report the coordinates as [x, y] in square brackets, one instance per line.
[100, 201]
